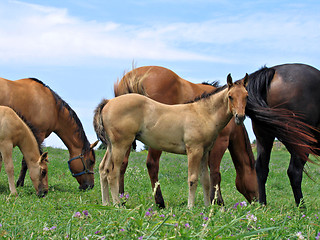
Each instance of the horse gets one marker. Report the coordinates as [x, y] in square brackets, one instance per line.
[15, 132]
[165, 86]
[284, 103]
[47, 112]
[189, 129]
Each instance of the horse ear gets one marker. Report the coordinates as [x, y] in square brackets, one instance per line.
[246, 80]
[44, 157]
[94, 144]
[229, 80]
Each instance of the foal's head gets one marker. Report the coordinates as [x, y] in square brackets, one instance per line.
[237, 97]
[42, 186]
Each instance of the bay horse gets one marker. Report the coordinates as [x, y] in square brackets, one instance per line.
[48, 113]
[165, 86]
[189, 129]
[284, 103]
[15, 132]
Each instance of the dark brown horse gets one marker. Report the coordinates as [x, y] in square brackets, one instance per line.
[163, 85]
[284, 103]
[48, 113]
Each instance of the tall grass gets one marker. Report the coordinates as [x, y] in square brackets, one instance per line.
[67, 213]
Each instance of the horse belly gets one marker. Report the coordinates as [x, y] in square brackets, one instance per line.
[164, 142]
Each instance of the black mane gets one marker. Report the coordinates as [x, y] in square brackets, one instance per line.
[206, 95]
[62, 104]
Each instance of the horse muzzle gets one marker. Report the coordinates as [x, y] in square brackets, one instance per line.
[239, 119]
[42, 193]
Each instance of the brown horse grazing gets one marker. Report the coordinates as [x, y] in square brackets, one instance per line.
[183, 129]
[165, 86]
[48, 113]
[284, 103]
[15, 132]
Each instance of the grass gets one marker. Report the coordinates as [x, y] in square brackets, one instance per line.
[67, 213]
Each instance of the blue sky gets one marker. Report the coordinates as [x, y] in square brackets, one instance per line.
[80, 48]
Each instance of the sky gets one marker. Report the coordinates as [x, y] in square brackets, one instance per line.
[80, 48]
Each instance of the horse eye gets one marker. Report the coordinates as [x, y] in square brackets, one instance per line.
[231, 98]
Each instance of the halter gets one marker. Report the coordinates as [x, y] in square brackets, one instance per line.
[85, 170]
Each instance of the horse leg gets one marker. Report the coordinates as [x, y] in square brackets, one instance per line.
[195, 156]
[295, 172]
[8, 163]
[113, 169]
[123, 171]
[153, 170]
[0, 161]
[214, 161]
[103, 179]
[22, 174]
[205, 180]
[264, 147]
[244, 163]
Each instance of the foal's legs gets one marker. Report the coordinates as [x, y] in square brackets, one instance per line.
[6, 152]
[103, 179]
[264, 146]
[205, 180]
[153, 170]
[195, 155]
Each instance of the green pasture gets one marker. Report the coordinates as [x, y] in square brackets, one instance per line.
[67, 213]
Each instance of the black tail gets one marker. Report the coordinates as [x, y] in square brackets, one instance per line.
[282, 123]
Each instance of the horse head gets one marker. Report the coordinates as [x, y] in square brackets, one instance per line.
[237, 98]
[82, 166]
[42, 188]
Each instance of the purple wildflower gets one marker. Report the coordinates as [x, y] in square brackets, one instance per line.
[127, 195]
[299, 235]
[161, 215]
[0, 225]
[121, 195]
[45, 229]
[140, 238]
[53, 228]
[187, 225]
[97, 232]
[77, 214]
[318, 236]
[148, 214]
[205, 218]
[85, 212]
[303, 215]
[251, 217]
[121, 230]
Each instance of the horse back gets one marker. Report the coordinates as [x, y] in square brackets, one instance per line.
[32, 99]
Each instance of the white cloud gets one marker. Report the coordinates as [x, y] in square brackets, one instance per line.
[33, 33]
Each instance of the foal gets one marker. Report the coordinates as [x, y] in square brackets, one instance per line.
[183, 129]
[15, 132]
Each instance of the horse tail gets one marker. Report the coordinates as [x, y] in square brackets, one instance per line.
[98, 123]
[285, 125]
[131, 82]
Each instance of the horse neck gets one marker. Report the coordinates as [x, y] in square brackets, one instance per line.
[71, 133]
[216, 107]
[29, 147]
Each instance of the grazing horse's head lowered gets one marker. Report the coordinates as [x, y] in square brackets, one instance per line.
[81, 168]
[42, 186]
[237, 97]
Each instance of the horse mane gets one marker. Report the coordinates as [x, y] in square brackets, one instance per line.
[33, 129]
[206, 95]
[213, 84]
[131, 82]
[286, 125]
[61, 105]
